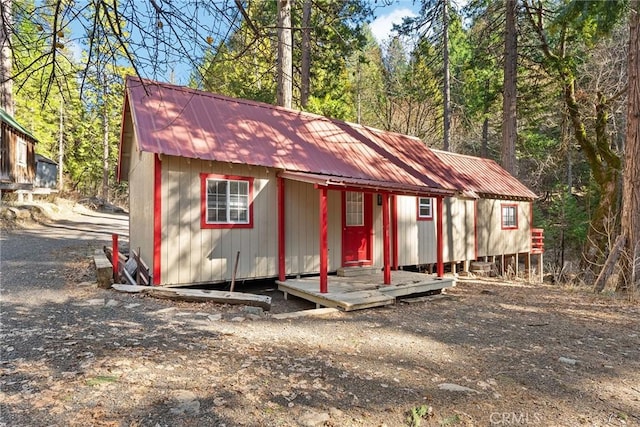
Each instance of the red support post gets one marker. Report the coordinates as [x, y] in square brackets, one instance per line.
[281, 232]
[385, 238]
[157, 219]
[394, 230]
[439, 238]
[323, 240]
[115, 257]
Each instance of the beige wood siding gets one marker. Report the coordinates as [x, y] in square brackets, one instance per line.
[191, 254]
[140, 176]
[492, 239]
[458, 230]
[417, 239]
[302, 216]
[414, 239]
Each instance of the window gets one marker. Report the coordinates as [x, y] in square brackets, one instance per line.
[354, 209]
[509, 216]
[226, 201]
[425, 208]
[21, 152]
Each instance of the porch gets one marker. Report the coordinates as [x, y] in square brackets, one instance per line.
[364, 290]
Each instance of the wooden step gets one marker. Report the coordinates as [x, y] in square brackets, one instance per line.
[357, 271]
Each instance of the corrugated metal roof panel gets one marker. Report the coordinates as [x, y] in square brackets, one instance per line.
[183, 122]
[483, 176]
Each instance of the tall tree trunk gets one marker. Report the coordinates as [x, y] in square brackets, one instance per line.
[358, 94]
[305, 80]
[6, 84]
[630, 279]
[509, 120]
[61, 146]
[105, 143]
[484, 148]
[446, 89]
[285, 55]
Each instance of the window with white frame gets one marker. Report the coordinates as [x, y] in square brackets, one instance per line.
[227, 201]
[21, 152]
[509, 216]
[425, 208]
[354, 208]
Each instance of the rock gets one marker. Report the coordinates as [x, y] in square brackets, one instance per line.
[456, 388]
[112, 303]
[238, 319]
[335, 412]
[313, 419]
[130, 306]
[253, 310]
[567, 361]
[214, 317]
[187, 403]
[90, 302]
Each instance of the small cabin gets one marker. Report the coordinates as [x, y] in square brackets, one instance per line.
[17, 156]
[299, 194]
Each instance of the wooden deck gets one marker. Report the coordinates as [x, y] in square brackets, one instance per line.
[363, 291]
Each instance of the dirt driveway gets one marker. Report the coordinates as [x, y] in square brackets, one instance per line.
[483, 354]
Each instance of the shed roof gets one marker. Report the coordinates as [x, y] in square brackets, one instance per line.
[42, 159]
[483, 176]
[11, 121]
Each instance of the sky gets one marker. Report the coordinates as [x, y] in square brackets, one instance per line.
[382, 25]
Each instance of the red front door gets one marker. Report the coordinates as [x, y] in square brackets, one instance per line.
[356, 228]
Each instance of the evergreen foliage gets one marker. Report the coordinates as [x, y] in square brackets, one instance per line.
[571, 84]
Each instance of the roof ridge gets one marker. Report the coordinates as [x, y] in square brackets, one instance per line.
[451, 153]
[266, 105]
[243, 101]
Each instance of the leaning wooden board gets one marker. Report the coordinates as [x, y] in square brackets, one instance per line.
[199, 295]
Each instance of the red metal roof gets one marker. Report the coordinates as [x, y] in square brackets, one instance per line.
[179, 121]
[483, 176]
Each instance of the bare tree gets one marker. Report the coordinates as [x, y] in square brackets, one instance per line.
[153, 37]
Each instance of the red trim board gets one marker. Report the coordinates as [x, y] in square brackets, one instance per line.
[323, 240]
[157, 219]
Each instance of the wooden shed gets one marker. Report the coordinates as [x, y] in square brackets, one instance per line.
[17, 155]
[294, 193]
[46, 173]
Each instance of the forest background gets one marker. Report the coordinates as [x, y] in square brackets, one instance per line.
[539, 85]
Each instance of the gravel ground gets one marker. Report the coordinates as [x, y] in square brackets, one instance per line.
[485, 353]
